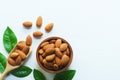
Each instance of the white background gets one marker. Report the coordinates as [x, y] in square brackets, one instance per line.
[92, 27]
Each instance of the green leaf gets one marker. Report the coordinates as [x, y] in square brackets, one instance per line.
[9, 39]
[66, 75]
[2, 62]
[38, 75]
[22, 71]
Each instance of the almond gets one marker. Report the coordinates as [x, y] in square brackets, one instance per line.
[41, 59]
[55, 67]
[43, 44]
[49, 51]
[11, 61]
[28, 40]
[58, 52]
[37, 34]
[39, 21]
[48, 65]
[22, 54]
[64, 60]
[50, 57]
[63, 47]
[67, 52]
[58, 42]
[41, 51]
[49, 27]
[14, 55]
[21, 45]
[58, 61]
[27, 24]
[48, 46]
[25, 50]
[52, 41]
[18, 60]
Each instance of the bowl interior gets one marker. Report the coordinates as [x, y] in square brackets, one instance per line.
[54, 71]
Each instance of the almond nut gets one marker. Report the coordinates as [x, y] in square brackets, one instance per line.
[21, 45]
[18, 60]
[64, 60]
[14, 55]
[22, 54]
[49, 51]
[28, 40]
[56, 67]
[48, 46]
[41, 51]
[43, 44]
[11, 61]
[39, 21]
[52, 41]
[48, 65]
[58, 61]
[25, 50]
[58, 42]
[50, 57]
[27, 24]
[58, 52]
[49, 27]
[37, 34]
[63, 47]
[41, 59]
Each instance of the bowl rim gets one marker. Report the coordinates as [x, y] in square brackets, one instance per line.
[52, 71]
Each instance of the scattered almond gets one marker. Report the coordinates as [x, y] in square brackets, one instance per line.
[39, 21]
[27, 24]
[49, 27]
[28, 40]
[37, 34]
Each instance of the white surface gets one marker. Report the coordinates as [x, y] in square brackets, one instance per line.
[92, 27]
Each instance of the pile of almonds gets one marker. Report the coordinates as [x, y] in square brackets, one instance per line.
[54, 54]
[20, 52]
[39, 21]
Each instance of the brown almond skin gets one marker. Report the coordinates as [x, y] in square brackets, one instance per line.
[52, 41]
[58, 52]
[37, 34]
[49, 51]
[48, 46]
[41, 59]
[56, 67]
[48, 65]
[63, 47]
[14, 55]
[43, 44]
[50, 57]
[58, 61]
[58, 43]
[25, 50]
[11, 61]
[18, 60]
[41, 51]
[27, 24]
[64, 60]
[39, 21]
[28, 40]
[22, 54]
[66, 52]
[49, 27]
[21, 45]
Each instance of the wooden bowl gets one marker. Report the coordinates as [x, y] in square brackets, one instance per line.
[54, 71]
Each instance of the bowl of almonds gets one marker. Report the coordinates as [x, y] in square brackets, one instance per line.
[54, 55]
